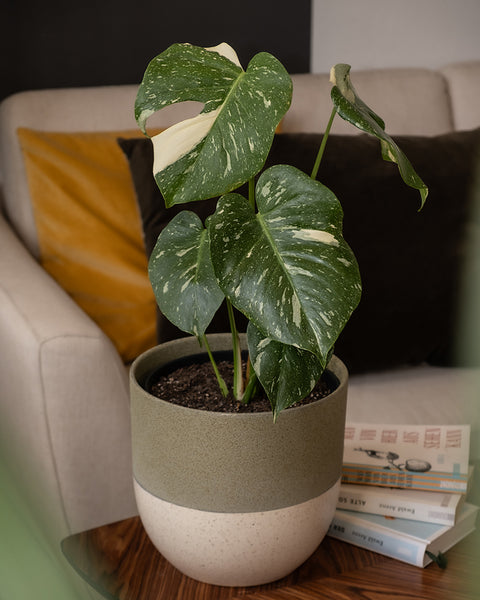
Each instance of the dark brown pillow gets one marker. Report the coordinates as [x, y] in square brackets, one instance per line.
[410, 261]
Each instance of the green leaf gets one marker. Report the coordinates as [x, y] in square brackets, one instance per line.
[182, 277]
[287, 267]
[228, 142]
[352, 108]
[286, 373]
[184, 72]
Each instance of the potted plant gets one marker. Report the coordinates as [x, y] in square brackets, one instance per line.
[244, 498]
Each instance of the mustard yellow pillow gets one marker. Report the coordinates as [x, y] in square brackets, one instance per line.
[89, 230]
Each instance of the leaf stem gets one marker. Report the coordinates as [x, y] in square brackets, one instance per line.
[237, 355]
[221, 381]
[322, 145]
[250, 387]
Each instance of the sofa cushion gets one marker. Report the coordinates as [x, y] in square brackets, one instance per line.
[412, 101]
[410, 261]
[463, 80]
[89, 231]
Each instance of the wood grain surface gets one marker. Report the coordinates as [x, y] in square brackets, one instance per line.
[121, 563]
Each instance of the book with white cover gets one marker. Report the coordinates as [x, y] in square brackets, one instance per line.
[417, 505]
[429, 457]
[403, 539]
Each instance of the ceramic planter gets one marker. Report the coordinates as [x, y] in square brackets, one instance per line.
[234, 499]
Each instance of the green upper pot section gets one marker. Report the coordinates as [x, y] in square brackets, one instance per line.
[225, 462]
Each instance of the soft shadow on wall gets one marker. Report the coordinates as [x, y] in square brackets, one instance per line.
[61, 44]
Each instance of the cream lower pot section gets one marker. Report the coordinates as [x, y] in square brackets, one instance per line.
[224, 462]
[236, 548]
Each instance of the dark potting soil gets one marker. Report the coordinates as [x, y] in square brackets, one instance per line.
[195, 386]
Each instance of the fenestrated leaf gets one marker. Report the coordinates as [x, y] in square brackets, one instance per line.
[182, 276]
[352, 108]
[286, 373]
[287, 267]
[184, 72]
[229, 141]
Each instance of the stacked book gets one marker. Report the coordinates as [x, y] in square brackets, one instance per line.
[403, 490]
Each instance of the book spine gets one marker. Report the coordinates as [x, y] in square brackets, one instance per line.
[386, 543]
[366, 500]
[432, 480]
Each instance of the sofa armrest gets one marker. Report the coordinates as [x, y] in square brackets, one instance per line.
[64, 400]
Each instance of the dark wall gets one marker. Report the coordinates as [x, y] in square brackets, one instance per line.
[95, 42]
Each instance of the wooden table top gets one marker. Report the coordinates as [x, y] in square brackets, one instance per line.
[121, 563]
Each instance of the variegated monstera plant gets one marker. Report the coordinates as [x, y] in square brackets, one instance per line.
[277, 256]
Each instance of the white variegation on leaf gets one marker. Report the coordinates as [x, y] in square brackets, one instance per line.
[286, 373]
[287, 267]
[182, 277]
[227, 51]
[228, 143]
[352, 108]
[176, 141]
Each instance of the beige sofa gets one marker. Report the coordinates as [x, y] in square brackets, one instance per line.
[64, 409]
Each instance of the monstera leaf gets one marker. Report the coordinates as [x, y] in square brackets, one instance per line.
[351, 108]
[181, 274]
[228, 142]
[286, 373]
[287, 267]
